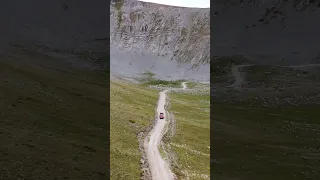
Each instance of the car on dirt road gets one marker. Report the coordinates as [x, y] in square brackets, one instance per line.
[161, 116]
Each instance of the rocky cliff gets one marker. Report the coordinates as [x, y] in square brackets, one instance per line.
[183, 33]
[159, 35]
[270, 31]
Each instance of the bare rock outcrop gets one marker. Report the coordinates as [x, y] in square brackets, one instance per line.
[180, 33]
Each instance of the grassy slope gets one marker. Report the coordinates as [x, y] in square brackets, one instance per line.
[53, 120]
[221, 67]
[265, 143]
[254, 142]
[192, 139]
[148, 79]
[156, 82]
[132, 109]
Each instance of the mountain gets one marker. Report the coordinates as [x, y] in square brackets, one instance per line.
[267, 31]
[73, 25]
[158, 37]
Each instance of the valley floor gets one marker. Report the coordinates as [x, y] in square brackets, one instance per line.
[133, 109]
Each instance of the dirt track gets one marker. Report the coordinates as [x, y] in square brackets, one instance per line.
[159, 168]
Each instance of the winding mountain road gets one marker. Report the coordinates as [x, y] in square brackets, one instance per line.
[160, 170]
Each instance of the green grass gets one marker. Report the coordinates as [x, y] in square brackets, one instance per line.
[118, 6]
[265, 143]
[221, 67]
[132, 109]
[184, 32]
[270, 74]
[252, 141]
[191, 84]
[53, 119]
[147, 79]
[148, 74]
[275, 75]
[192, 139]
[155, 82]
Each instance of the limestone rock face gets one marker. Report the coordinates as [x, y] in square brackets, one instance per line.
[182, 34]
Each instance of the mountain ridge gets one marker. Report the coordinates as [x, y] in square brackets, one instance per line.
[179, 32]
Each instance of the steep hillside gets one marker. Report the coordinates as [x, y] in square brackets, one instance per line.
[53, 104]
[68, 25]
[269, 31]
[265, 114]
[152, 32]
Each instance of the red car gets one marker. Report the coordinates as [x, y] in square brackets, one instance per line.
[161, 116]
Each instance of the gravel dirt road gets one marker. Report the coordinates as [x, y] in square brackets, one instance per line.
[159, 168]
